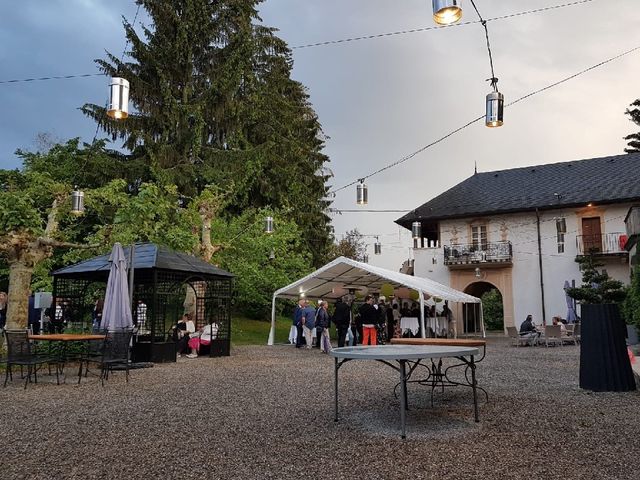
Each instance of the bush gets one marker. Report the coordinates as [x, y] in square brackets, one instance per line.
[492, 310]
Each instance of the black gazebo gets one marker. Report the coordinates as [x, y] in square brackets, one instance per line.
[167, 284]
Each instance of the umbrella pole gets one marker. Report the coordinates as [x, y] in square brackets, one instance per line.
[132, 254]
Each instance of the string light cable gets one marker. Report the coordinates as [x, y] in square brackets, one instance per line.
[339, 41]
[477, 119]
[426, 29]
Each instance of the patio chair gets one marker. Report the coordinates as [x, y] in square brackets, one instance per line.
[112, 354]
[576, 333]
[21, 352]
[517, 339]
[552, 334]
[568, 335]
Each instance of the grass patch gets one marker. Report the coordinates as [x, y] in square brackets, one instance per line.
[245, 331]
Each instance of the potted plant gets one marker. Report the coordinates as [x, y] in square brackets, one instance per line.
[604, 362]
[631, 307]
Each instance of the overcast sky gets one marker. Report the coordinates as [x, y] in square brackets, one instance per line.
[378, 100]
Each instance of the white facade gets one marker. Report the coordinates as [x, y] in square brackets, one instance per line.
[519, 280]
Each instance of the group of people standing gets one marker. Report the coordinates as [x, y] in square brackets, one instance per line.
[370, 323]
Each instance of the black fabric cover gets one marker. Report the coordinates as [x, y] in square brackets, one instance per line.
[604, 361]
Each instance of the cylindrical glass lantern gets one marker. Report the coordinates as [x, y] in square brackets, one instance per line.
[377, 248]
[446, 12]
[362, 193]
[478, 272]
[268, 225]
[416, 230]
[495, 109]
[118, 98]
[365, 258]
[77, 202]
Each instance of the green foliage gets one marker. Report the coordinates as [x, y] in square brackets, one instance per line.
[351, 246]
[492, 310]
[248, 254]
[631, 306]
[215, 105]
[597, 287]
[634, 138]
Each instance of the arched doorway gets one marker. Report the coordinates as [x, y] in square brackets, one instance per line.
[492, 308]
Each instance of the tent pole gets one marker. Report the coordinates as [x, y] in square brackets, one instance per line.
[484, 332]
[423, 333]
[272, 331]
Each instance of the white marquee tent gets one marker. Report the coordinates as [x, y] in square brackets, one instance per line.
[331, 281]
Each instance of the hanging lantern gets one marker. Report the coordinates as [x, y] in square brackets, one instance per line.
[268, 225]
[362, 193]
[365, 258]
[416, 230]
[495, 109]
[118, 98]
[77, 202]
[377, 248]
[478, 272]
[272, 255]
[447, 12]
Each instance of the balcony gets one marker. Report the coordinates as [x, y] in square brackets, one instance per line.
[461, 256]
[602, 244]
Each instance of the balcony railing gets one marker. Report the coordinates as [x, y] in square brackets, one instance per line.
[602, 244]
[499, 252]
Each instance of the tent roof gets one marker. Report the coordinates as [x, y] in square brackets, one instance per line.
[146, 256]
[346, 273]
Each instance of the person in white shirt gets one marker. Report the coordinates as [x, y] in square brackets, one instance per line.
[183, 330]
[202, 337]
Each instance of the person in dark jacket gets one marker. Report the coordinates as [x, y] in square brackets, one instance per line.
[342, 319]
[298, 314]
[369, 318]
[323, 322]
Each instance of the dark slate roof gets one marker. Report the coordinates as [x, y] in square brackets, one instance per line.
[603, 180]
[147, 256]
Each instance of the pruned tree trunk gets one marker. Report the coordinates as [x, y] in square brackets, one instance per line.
[18, 305]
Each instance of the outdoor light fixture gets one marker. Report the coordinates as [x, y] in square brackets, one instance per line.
[365, 258]
[416, 230]
[478, 272]
[118, 98]
[272, 255]
[77, 202]
[268, 225]
[362, 193]
[446, 12]
[377, 247]
[495, 106]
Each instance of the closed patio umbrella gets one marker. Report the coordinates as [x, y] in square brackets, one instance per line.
[571, 311]
[117, 308]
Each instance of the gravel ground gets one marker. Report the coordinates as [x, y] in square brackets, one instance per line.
[267, 413]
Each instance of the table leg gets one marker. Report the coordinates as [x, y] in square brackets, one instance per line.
[336, 389]
[472, 364]
[403, 396]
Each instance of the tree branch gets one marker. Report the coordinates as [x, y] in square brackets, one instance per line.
[50, 242]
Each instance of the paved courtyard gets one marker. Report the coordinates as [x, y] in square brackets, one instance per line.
[267, 412]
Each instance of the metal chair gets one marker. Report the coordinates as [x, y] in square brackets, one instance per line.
[21, 352]
[112, 354]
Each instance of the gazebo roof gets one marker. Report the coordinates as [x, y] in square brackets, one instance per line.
[147, 256]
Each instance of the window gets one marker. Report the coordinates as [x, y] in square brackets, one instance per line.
[561, 229]
[479, 237]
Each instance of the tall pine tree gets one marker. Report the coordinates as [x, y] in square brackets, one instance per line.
[634, 138]
[214, 104]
